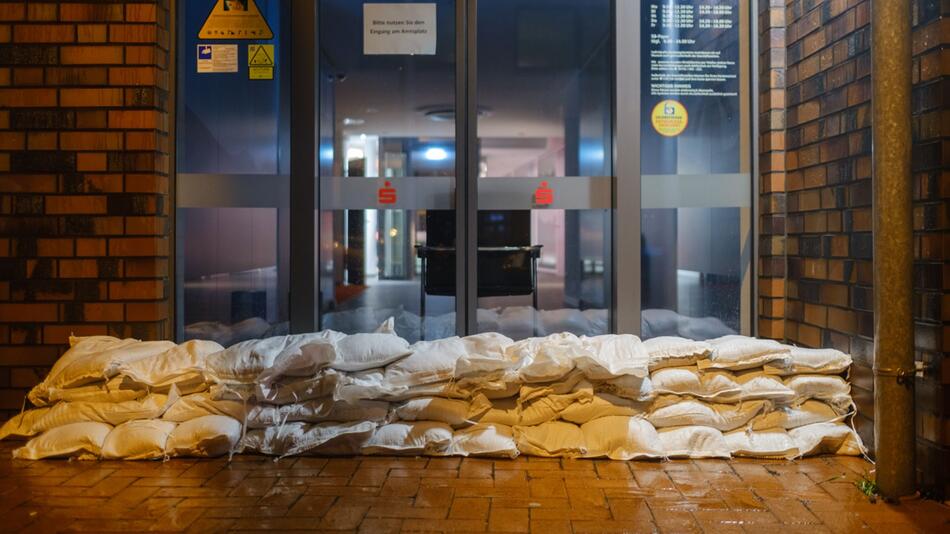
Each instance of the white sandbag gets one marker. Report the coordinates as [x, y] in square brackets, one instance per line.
[551, 439]
[295, 389]
[455, 413]
[549, 408]
[564, 320]
[198, 405]
[137, 440]
[430, 361]
[182, 365]
[827, 438]
[248, 360]
[94, 360]
[736, 352]
[208, 436]
[629, 387]
[544, 359]
[789, 417]
[76, 440]
[767, 443]
[505, 411]
[709, 385]
[672, 351]
[621, 438]
[829, 388]
[491, 440]
[359, 352]
[64, 413]
[610, 356]
[812, 361]
[602, 405]
[485, 353]
[317, 411]
[422, 437]
[693, 442]
[23, 425]
[302, 438]
[758, 385]
[118, 389]
[684, 411]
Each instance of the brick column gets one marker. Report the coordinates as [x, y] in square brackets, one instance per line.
[84, 179]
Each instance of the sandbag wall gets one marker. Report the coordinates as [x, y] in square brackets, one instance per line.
[329, 393]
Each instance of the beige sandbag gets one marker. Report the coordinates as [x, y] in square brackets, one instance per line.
[565, 385]
[63, 413]
[455, 413]
[544, 359]
[76, 440]
[137, 440]
[673, 351]
[492, 440]
[551, 439]
[505, 412]
[621, 438]
[811, 361]
[768, 443]
[829, 388]
[827, 438]
[79, 348]
[118, 389]
[711, 385]
[359, 352]
[23, 425]
[208, 436]
[693, 442]
[789, 417]
[316, 411]
[612, 355]
[267, 360]
[755, 384]
[602, 405]
[183, 365]
[734, 352]
[629, 387]
[420, 437]
[429, 361]
[549, 408]
[198, 405]
[684, 411]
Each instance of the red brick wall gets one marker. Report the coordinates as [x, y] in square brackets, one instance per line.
[84, 179]
[816, 265]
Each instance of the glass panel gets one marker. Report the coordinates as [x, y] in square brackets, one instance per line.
[696, 184]
[233, 247]
[544, 129]
[387, 138]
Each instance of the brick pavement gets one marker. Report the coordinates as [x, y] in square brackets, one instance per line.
[375, 494]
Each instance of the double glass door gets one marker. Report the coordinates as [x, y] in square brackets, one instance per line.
[509, 128]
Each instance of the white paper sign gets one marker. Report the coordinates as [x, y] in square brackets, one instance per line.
[399, 29]
[217, 58]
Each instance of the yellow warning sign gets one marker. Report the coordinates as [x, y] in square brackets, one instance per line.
[260, 62]
[235, 19]
[669, 118]
[260, 73]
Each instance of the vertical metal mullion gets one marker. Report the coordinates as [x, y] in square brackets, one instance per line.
[303, 182]
[466, 168]
[627, 243]
[471, 167]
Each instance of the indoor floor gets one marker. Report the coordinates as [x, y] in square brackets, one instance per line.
[381, 494]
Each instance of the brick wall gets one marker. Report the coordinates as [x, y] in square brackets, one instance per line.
[816, 197]
[84, 179]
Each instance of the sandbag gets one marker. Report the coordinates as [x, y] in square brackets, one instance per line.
[317, 411]
[611, 355]
[23, 425]
[455, 413]
[198, 405]
[789, 417]
[75, 440]
[829, 388]
[827, 438]
[602, 405]
[182, 365]
[137, 440]
[551, 439]
[758, 385]
[621, 438]
[710, 385]
[529, 392]
[544, 359]
[79, 348]
[296, 389]
[693, 442]
[64, 413]
[422, 437]
[359, 352]
[811, 361]
[208, 436]
[685, 411]
[254, 360]
[429, 361]
[118, 389]
[549, 408]
[768, 443]
[736, 353]
[629, 387]
[482, 439]
[505, 411]
[673, 351]
[301, 438]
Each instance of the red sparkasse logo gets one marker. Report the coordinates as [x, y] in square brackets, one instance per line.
[386, 194]
[544, 195]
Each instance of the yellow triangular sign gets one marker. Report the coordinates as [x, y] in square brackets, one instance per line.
[235, 19]
[260, 55]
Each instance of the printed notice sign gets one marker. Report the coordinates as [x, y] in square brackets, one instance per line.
[235, 19]
[396, 29]
[217, 58]
[260, 62]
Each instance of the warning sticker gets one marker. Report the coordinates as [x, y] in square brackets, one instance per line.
[235, 19]
[669, 118]
[217, 58]
[260, 62]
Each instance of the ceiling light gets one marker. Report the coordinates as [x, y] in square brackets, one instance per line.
[436, 154]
